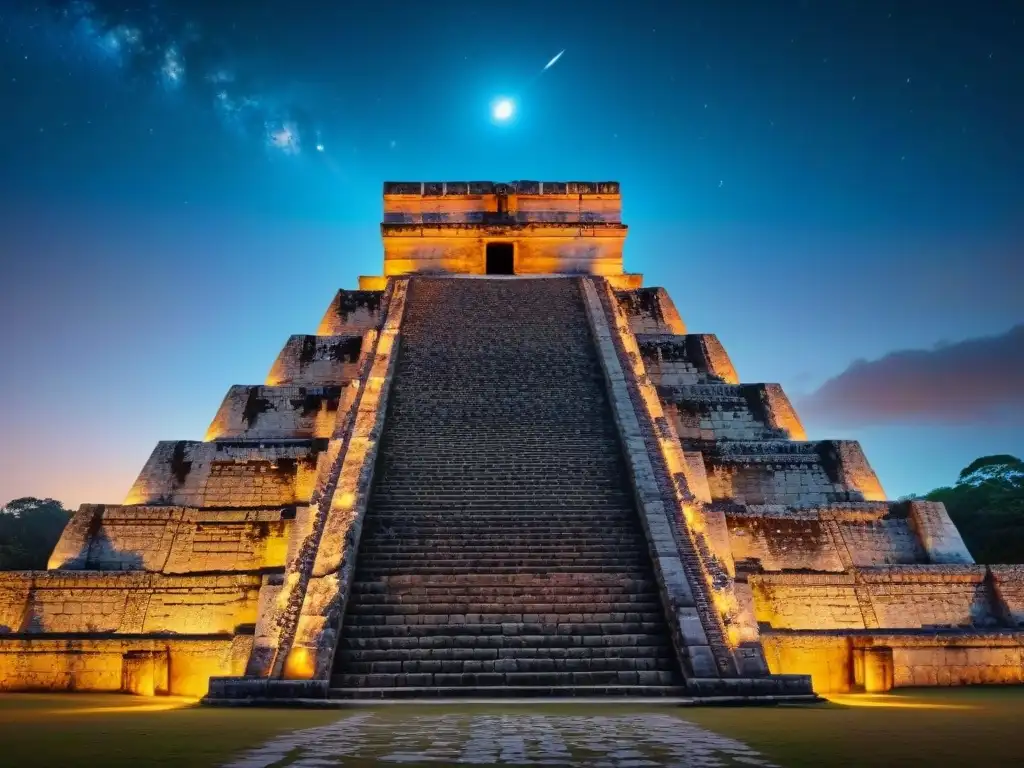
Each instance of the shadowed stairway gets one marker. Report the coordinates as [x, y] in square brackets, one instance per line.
[502, 553]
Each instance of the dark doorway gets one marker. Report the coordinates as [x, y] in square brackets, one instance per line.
[499, 259]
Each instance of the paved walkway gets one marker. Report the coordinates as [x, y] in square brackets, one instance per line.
[626, 740]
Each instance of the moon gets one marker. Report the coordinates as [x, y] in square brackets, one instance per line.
[503, 109]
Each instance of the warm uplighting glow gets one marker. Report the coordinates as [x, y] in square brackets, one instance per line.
[299, 665]
[166, 704]
[885, 700]
[503, 109]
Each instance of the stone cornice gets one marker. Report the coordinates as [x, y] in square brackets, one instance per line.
[519, 229]
[473, 188]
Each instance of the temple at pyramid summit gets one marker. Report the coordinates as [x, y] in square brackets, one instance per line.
[505, 467]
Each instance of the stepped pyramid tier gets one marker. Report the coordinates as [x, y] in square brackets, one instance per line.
[505, 467]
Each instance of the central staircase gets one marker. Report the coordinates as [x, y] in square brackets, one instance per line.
[501, 553]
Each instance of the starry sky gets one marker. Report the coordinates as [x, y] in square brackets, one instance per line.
[834, 188]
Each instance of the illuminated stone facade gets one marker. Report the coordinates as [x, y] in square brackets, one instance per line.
[552, 488]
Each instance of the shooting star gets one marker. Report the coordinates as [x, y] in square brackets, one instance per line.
[551, 63]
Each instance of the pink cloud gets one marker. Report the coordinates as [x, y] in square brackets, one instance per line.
[976, 381]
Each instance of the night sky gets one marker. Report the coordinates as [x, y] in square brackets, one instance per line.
[834, 188]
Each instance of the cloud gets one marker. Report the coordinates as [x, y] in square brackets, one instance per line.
[976, 381]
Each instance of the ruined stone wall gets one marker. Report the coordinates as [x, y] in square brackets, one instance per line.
[673, 360]
[712, 412]
[157, 665]
[353, 313]
[898, 597]
[772, 479]
[776, 409]
[794, 541]
[317, 361]
[172, 539]
[828, 538]
[280, 412]
[228, 474]
[919, 659]
[650, 311]
[828, 659]
[549, 249]
[937, 533]
[473, 202]
[1008, 581]
[885, 541]
[133, 603]
[317, 583]
[845, 461]
[788, 472]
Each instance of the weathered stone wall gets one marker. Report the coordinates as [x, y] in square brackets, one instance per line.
[829, 538]
[651, 311]
[352, 313]
[673, 360]
[538, 249]
[1008, 581]
[796, 541]
[787, 479]
[886, 541]
[172, 539]
[279, 412]
[228, 474]
[778, 412]
[317, 361]
[846, 463]
[898, 597]
[132, 603]
[475, 202]
[177, 666]
[310, 630]
[919, 659]
[713, 412]
[827, 658]
[939, 537]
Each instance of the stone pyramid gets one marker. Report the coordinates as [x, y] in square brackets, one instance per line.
[505, 468]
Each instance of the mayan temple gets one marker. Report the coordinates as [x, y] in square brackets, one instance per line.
[506, 468]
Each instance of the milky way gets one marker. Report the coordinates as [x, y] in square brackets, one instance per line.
[149, 47]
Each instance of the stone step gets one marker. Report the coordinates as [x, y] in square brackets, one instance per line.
[510, 692]
[415, 539]
[661, 653]
[549, 622]
[475, 582]
[501, 549]
[439, 524]
[596, 633]
[582, 606]
[369, 639]
[367, 570]
[505, 556]
[522, 664]
[527, 604]
[486, 679]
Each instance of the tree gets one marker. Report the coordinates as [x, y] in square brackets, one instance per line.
[29, 530]
[987, 505]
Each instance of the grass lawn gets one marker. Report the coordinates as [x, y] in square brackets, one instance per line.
[938, 727]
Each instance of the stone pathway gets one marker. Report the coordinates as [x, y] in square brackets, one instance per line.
[621, 741]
